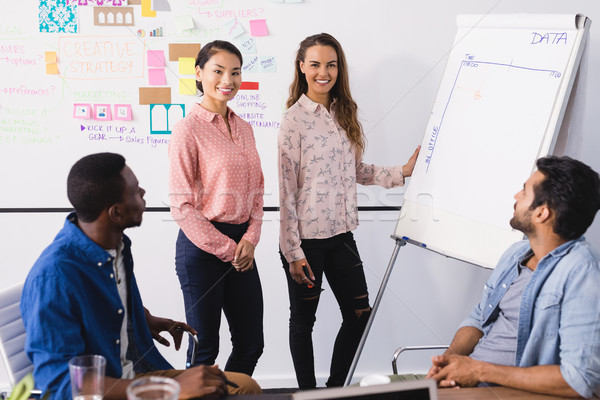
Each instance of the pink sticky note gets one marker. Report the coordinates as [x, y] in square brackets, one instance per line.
[82, 111]
[156, 58]
[123, 112]
[258, 27]
[102, 112]
[156, 77]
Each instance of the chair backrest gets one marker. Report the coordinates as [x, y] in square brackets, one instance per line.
[12, 335]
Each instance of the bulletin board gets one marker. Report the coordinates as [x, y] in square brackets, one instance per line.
[85, 76]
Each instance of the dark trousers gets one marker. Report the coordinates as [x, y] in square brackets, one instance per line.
[338, 259]
[210, 285]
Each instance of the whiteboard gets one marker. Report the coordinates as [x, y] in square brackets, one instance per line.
[499, 107]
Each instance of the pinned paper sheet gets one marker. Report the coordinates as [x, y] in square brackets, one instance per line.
[83, 111]
[247, 45]
[102, 112]
[258, 27]
[161, 5]
[55, 16]
[156, 58]
[50, 56]
[147, 10]
[156, 77]
[184, 23]
[187, 86]
[251, 64]
[52, 68]
[113, 16]
[154, 95]
[177, 50]
[267, 64]
[163, 117]
[233, 29]
[187, 65]
[123, 112]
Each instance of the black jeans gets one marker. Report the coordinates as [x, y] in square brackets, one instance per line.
[338, 259]
[210, 285]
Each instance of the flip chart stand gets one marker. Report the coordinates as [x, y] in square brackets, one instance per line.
[388, 272]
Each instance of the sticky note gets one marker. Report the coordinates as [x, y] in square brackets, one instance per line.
[251, 64]
[156, 58]
[177, 50]
[267, 64]
[50, 56]
[154, 95]
[249, 86]
[52, 68]
[184, 22]
[187, 65]
[82, 111]
[123, 112]
[147, 9]
[233, 29]
[102, 112]
[258, 27]
[156, 77]
[247, 45]
[187, 86]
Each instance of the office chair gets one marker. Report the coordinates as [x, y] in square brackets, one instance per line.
[402, 349]
[12, 336]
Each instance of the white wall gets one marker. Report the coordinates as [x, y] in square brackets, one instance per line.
[428, 295]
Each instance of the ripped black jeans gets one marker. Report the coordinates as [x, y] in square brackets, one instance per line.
[338, 258]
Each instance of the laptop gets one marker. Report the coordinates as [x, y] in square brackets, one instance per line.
[425, 389]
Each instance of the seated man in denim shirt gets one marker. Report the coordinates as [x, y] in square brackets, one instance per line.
[537, 326]
[81, 295]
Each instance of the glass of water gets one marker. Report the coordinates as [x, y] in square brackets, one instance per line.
[87, 377]
[154, 388]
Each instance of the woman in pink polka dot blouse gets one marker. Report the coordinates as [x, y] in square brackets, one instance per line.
[216, 192]
[320, 145]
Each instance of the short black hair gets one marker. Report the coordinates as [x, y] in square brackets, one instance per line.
[572, 190]
[95, 183]
[210, 49]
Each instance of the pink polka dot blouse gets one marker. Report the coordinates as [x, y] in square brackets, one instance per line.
[215, 176]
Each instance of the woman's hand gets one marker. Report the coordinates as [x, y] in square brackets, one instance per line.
[243, 260]
[298, 274]
[407, 169]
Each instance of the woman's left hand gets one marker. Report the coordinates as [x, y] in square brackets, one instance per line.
[407, 169]
[243, 260]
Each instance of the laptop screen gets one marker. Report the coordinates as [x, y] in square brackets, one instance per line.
[410, 390]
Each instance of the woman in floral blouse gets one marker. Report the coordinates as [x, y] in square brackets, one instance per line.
[320, 146]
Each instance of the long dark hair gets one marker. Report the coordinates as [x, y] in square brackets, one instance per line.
[346, 109]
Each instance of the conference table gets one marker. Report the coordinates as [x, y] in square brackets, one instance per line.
[477, 393]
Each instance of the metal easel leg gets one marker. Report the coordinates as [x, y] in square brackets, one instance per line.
[399, 243]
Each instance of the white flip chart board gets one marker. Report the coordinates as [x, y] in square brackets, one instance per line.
[499, 107]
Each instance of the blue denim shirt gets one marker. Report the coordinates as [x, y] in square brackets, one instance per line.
[559, 321]
[70, 306]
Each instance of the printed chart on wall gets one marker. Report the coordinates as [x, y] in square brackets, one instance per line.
[85, 76]
[498, 109]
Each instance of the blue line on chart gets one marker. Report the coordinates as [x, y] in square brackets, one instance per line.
[467, 62]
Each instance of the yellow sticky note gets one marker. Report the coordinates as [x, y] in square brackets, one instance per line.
[187, 86]
[147, 10]
[50, 56]
[186, 65]
[52, 68]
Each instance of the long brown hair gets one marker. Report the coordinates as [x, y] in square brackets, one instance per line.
[345, 108]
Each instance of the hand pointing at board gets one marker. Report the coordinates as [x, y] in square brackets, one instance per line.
[407, 169]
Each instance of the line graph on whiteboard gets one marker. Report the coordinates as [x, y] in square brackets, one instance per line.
[489, 85]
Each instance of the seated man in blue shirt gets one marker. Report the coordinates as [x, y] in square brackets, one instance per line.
[81, 295]
[537, 326]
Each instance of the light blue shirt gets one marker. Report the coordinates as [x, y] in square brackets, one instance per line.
[559, 321]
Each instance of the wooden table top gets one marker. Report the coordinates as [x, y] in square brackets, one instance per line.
[495, 393]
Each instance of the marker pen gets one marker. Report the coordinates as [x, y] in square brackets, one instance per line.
[309, 283]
